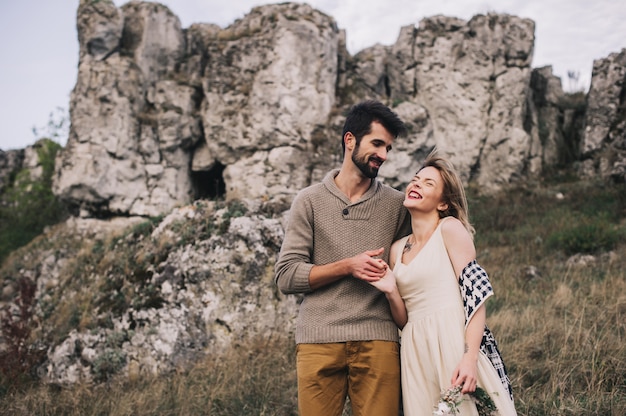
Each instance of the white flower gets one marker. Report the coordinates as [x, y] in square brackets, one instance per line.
[442, 409]
[451, 399]
[449, 402]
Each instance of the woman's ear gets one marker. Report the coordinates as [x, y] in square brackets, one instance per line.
[442, 207]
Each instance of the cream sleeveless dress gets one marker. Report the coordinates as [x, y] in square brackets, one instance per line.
[433, 339]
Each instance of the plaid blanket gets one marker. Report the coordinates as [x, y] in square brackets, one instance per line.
[476, 289]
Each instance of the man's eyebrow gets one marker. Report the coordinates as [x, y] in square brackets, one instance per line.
[380, 142]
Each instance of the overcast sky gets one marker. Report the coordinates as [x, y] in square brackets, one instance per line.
[39, 47]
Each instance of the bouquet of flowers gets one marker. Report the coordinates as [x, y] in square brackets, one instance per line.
[451, 399]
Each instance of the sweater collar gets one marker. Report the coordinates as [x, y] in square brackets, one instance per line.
[329, 183]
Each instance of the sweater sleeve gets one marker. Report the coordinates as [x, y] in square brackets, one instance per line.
[294, 261]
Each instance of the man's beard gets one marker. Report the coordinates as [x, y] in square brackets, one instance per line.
[363, 164]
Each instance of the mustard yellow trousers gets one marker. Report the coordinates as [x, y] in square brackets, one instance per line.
[366, 371]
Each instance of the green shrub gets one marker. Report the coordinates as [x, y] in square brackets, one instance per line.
[589, 236]
[108, 364]
[28, 205]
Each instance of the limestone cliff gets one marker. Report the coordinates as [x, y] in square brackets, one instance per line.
[163, 115]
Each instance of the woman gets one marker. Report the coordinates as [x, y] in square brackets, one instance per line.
[437, 292]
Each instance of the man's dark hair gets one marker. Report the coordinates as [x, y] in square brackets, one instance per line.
[360, 117]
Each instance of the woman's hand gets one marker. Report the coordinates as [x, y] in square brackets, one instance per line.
[465, 374]
[387, 284]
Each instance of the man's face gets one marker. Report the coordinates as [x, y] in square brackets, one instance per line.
[371, 152]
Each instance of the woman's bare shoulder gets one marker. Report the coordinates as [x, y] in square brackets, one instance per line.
[453, 227]
[458, 241]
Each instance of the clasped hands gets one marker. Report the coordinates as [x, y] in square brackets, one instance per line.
[368, 267]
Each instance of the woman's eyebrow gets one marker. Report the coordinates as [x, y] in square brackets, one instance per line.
[417, 176]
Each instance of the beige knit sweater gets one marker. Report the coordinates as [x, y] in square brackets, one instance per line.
[323, 227]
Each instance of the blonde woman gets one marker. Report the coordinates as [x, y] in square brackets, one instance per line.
[437, 295]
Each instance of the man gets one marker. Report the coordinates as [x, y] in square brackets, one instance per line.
[337, 240]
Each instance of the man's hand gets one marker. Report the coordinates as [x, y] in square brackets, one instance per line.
[367, 267]
[364, 266]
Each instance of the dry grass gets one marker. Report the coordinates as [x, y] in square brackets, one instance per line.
[562, 334]
[561, 326]
[257, 380]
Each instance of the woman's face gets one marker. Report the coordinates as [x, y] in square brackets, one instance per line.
[425, 191]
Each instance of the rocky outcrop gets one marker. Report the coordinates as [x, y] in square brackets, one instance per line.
[268, 86]
[162, 115]
[461, 86]
[25, 165]
[132, 124]
[555, 120]
[126, 296]
[11, 161]
[604, 141]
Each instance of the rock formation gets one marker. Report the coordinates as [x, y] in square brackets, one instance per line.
[132, 124]
[161, 296]
[604, 141]
[162, 115]
[11, 161]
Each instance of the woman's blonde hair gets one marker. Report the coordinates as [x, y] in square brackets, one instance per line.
[453, 190]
